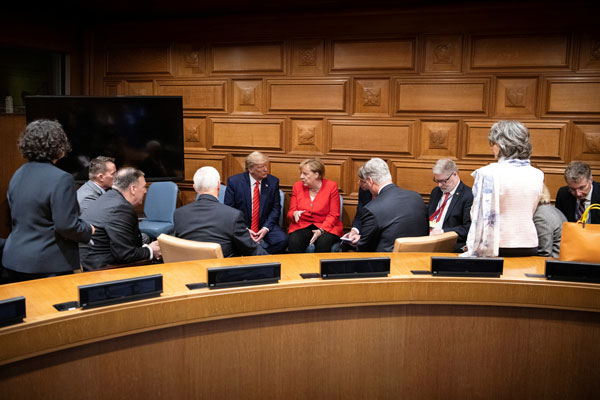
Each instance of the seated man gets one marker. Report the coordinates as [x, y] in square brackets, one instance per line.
[256, 194]
[102, 173]
[207, 220]
[392, 213]
[117, 239]
[450, 203]
[364, 196]
[580, 192]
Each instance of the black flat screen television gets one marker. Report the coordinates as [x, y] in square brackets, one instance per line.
[145, 132]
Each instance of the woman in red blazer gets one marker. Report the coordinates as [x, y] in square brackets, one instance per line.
[314, 212]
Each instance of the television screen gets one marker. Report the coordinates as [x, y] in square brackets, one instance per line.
[145, 132]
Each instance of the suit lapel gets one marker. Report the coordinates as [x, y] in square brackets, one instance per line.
[434, 200]
[248, 196]
[265, 190]
[454, 200]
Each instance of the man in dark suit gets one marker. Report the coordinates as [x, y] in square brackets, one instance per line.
[117, 239]
[392, 213]
[207, 220]
[580, 192]
[102, 174]
[450, 203]
[364, 197]
[263, 221]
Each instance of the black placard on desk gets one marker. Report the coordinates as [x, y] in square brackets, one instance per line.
[467, 266]
[572, 271]
[113, 292]
[12, 311]
[368, 267]
[243, 275]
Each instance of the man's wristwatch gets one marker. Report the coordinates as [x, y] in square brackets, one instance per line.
[322, 230]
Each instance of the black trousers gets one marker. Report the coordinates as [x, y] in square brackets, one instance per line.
[517, 251]
[299, 240]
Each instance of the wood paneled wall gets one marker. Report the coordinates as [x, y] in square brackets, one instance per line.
[401, 86]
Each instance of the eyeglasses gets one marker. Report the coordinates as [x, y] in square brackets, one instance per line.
[443, 181]
[580, 188]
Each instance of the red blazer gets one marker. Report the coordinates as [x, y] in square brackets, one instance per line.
[324, 211]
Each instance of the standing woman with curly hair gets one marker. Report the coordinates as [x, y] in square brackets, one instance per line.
[46, 227]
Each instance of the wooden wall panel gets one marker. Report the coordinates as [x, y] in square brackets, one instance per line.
[140, 88]
[373, 55]
[308, 57]
[589, 53]
[194, 131]
[429, 96]
[247, 96]
[516, 97]
[146, 60]
[443, 53]
[548, 139]
[197, 95]
[520, 51]
[245, 58]
[190, 60]
[419, 87]
[586, 142]
[371, 136]
[307, 95]
[439, 139]
[307, 136]
[372, 97]
[256, 134]
[418, 176]
[288, 171]
[195, 161]
[573, 96]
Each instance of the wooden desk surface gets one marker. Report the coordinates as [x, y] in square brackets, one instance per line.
[44, 328]
[405, 335]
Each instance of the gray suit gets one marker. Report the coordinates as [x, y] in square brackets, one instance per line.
[548, 222]
[87, 193]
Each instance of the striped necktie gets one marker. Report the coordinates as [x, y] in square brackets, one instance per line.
[580, 210]
[255, 207]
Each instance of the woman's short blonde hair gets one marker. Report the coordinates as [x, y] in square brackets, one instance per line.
[314, 165]
[544, 196]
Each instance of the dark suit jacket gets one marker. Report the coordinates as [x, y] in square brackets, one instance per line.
[117, 239]
[364, 197]
[392, 214]
[207, 220]
[45, 221]
[458, 216]
[567, 203]
[87, 193]
[238, 195]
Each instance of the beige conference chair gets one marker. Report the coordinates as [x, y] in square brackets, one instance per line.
[175, 249]
[443, 243]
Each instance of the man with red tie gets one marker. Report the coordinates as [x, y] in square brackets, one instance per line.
[256, 194]
[450, 203]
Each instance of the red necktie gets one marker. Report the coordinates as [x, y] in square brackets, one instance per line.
[255, 207]
[438, 213]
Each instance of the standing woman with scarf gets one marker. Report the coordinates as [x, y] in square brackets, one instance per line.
[505, 196]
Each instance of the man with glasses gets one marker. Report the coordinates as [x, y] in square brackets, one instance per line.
[580, 192]
[450, 203]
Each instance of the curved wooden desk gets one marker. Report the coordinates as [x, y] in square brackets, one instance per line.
[405, 335]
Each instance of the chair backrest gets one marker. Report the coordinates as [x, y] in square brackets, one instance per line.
[175, 249]
[281, 201]
[443, 243]
[221, 194]
[161, 201]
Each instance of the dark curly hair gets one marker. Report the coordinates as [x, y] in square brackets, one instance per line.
[43, 140]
